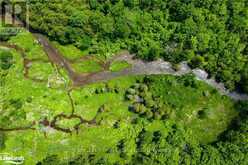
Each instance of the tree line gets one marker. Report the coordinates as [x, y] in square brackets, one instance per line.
[210, 34]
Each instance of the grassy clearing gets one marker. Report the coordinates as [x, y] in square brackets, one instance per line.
[88, 100]
[40, 70]
[119, 65]
[70, 51]
[87, 66]
[36, 98]
[26, 41]
[115, 120]
[65, 123]
[40, 101]
[199, 108]
[195, 105]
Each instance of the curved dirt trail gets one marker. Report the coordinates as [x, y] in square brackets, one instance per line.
[139, 67]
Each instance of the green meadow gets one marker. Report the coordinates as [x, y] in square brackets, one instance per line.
[193, 106]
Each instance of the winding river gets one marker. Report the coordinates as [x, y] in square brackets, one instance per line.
[138, 67]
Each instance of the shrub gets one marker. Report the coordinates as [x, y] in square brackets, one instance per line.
[6, 60]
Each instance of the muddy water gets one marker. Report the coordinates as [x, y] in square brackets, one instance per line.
[139, 67]
[158, 67]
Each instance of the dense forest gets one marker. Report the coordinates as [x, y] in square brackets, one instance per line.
[211, 34]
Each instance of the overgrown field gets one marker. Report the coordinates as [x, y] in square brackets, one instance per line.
[142, 120]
